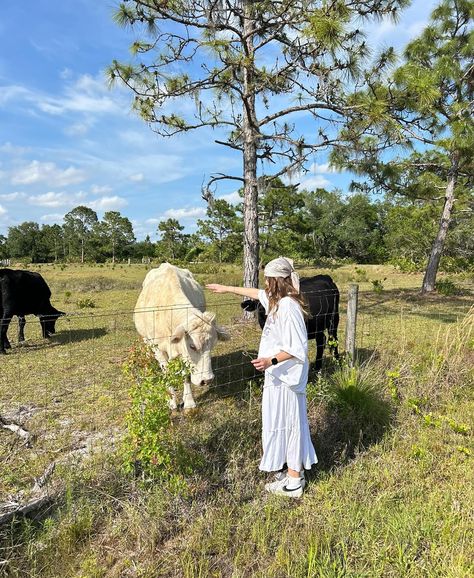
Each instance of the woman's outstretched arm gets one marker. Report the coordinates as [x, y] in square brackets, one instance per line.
[243, 291]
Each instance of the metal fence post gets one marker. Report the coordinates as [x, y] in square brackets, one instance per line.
[351, 323]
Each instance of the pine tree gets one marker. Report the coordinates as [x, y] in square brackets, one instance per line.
[252, 67]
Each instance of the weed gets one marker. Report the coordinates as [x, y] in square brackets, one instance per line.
[150, 446]
[447, 287]
[377, 285]
[85, 303]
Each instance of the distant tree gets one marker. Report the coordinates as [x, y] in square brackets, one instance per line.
[79, 225]
[24, 240]
[222, 231]
[117, 232]
[282, 219]
[409, 230]
[170, 245]
[3, 247]
[144, 248]
[251, 67]
[426, 105]
[52, 241]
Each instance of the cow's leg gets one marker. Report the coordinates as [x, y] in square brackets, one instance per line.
[162, 359]
[320, 341]
[188, 398]
[5, 322]
[21, 328]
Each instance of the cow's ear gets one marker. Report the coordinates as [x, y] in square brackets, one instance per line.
[178, 334]
[222, 333]
[209, 317]
[249, 305]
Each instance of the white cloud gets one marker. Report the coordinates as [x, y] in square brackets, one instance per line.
[12, 93]
[100, 190]
[136, 178]
[38, 172]
[52, 199]
[16, 196]
[12, 149]
[2, 210]
[108, 203]
[185, 213]
[65, 73]
[232, 198]
[52, 218]
[321, 169]
[314, 182]
[79, 128]
[87, 94]
[153, 221]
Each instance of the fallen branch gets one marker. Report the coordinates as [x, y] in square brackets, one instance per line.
[16, 429]
[44, 493]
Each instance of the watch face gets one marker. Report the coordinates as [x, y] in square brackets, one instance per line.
[274, 361]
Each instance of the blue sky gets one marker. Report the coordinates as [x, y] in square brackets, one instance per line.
[67, 140]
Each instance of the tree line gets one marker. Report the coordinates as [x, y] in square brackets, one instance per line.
[313, 226]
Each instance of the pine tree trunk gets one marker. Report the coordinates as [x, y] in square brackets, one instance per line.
[429, 280]
[251, 244]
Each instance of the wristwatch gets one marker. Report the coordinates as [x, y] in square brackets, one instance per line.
[274, 361]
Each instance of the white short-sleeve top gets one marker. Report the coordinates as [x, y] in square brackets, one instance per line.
[285, 330]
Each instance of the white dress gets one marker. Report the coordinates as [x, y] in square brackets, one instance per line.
[285, 428]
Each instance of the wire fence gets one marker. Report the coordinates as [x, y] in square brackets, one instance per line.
[65, 389]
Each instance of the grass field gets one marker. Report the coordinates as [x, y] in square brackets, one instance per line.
[391, 496]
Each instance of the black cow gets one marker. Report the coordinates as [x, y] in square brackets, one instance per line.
[322, 296]
[24, 293]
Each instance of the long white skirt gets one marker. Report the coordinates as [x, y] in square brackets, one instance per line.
[285, 428]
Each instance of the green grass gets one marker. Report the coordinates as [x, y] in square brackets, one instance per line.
[393, 492]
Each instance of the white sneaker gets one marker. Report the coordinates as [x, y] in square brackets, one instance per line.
[284, 473]
[280, 488]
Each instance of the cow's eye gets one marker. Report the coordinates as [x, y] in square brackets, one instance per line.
[192, 346]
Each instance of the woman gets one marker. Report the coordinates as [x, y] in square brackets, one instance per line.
[283, 356]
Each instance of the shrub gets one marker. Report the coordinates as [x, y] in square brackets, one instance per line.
[377, 285]
[150, 447]
[86, 303]
[447, 287]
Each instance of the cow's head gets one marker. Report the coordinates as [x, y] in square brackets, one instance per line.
[252, 305]
[194, 340]
[48, 321]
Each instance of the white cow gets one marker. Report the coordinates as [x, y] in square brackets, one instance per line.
[171, 316]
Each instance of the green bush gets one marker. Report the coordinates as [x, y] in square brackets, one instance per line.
[150, 446]
[85, 303]
[377, 285]
[447, 287]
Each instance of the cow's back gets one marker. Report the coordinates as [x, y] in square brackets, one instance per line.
[168, 296]
[322, 296]
[24, 292]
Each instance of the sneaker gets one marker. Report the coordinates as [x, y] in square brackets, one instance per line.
[280, 488]
[283, 474]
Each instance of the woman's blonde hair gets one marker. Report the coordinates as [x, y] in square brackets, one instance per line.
[279, 287]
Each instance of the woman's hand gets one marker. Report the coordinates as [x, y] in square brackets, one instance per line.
[216, 288]
[261, 363]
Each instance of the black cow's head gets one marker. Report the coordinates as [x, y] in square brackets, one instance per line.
[252, 305]
[48, 321]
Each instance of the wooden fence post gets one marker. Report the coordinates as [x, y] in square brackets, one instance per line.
[351, 323]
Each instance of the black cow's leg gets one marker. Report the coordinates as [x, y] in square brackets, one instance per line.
[320, 341]
[5, 322]
[21, 328]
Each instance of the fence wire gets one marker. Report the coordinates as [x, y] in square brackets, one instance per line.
[71, 386]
